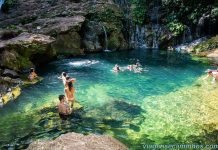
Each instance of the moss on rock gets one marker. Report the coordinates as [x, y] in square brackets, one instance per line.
[208, 45]
[12, 60]
[108, 13]
[117, 41]
[15, 93]
[68, 44]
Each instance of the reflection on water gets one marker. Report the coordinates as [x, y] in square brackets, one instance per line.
[167, 104]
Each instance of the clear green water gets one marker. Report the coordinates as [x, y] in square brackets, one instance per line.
[165, 104]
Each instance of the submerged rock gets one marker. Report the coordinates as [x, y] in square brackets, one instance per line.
[79, 142]
[11, 95]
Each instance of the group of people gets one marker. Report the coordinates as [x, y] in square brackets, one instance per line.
[66, 101]
[132, 67]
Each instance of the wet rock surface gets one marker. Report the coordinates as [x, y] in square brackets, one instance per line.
[79, 141]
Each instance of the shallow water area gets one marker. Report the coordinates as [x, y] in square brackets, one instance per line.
[167, 103]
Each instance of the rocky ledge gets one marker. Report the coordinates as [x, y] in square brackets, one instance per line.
[22, 51]
[79, 142]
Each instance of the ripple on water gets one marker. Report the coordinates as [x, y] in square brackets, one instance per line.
[83, 63]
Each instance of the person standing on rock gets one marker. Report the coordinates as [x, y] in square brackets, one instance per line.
[63, 108]
[1, 101]
[63, 77]
[32, 74]
[10, 94]
[70, 93]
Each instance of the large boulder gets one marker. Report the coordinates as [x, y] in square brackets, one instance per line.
[12, 60]
[23, 51]
[79, 142]
[92, 31]
[10, 73]
[66, 31]
[117, 41]
[104, 28]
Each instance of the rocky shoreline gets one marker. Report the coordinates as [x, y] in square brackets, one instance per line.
[203, 47]
[11, 84]
[79, 142]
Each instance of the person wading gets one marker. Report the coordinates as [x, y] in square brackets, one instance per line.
[63, 108]
[70, 93]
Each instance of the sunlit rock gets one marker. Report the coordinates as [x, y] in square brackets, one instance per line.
[79, 141]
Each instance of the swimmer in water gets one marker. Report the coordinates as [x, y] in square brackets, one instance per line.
[116, 68]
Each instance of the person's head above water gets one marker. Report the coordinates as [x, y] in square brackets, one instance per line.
[61, 97]
[32, 70]
[64, 74]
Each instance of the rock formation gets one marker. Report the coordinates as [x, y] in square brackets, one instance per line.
[79, 142]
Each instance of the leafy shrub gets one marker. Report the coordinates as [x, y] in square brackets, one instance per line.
[138, 11]
[176, 28]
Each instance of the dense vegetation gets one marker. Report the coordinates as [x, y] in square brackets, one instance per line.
[7, 4]
[177, 14]
[207, 45]
[182, 13]
[139, 10]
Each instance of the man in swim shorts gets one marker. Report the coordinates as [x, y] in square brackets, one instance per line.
[63, 108]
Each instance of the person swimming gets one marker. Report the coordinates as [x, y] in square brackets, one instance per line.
[135, 67]
[130, 67]
[32, 74]
[116, 68]
[63, 108]
[70, 93]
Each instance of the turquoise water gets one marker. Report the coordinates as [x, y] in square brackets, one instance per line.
[115, 104]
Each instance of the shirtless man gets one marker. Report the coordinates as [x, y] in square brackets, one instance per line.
[69, 92]
[63, 108]
[32, 74]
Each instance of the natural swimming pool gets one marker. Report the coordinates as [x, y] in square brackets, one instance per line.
[168, 103]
